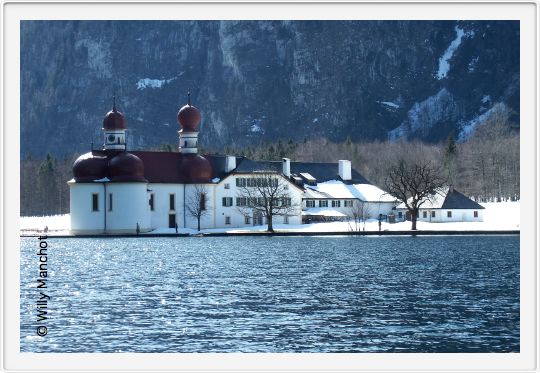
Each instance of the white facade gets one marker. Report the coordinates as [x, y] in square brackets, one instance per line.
[445, 215]
[335, 200]
[227, 188]
[437, 210]
[163, 205]
[115, 140]
[104, 207]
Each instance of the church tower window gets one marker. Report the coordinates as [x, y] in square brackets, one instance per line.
[95, 202]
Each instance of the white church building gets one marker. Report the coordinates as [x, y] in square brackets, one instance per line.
[116, 190]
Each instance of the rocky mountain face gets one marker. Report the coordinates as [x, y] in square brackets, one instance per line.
[261, 81]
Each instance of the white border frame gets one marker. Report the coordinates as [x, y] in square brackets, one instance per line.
[12, 12]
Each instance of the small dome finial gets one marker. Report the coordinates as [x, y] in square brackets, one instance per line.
[189, 97]
[114, 103]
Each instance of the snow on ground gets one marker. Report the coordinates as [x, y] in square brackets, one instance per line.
[497, 216]
[58, 224]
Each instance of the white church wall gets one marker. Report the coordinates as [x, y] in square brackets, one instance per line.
[129, 208]
[207, 220]
[160, 215]
[83, 219]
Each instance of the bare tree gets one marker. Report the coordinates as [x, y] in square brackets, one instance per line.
[196, 203]
[359, 213]
[414, 183]
[266, 193]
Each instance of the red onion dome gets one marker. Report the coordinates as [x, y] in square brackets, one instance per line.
[126, 167]
[114, 120]
[189, 118]
[89, 168]
[195, 169]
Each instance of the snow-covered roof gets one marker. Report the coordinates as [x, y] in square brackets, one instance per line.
[435, 202]
[339, 190]
[307, 176]
[447, 199]
[314, 194]
[319, 211]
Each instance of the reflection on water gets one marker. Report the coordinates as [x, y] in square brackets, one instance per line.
[275, 294]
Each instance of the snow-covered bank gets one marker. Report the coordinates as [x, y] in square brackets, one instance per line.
[502, 216]
[58, 224]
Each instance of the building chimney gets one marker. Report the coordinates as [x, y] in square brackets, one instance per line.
[230, 163]
[344, 170]
[287, 167]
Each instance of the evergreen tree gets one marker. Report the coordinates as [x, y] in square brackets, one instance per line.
[450, 156]
[47, 190]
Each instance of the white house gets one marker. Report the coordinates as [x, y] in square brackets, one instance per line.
[448, 205]
[340, 199]
[119, 191]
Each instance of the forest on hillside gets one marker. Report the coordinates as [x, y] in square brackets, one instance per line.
[486, 168]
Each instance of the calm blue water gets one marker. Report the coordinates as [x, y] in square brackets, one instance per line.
[275, 294]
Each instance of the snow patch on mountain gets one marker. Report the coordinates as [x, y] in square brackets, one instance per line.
[256, 128]
[468, 128]
[444, 65]
[426, 114]
[389, 104]
[472, 64]
[153, 83]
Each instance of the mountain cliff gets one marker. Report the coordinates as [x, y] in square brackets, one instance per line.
[264, 80]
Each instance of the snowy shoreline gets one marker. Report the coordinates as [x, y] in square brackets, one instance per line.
[498, 217]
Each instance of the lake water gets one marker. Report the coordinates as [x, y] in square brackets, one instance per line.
[274, 294]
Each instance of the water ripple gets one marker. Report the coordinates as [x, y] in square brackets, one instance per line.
[275, 294]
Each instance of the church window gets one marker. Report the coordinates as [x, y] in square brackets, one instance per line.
[247, 220]
[110, 201]
[432, 214]
[95, 202]
[227, 201]
[227, 220]
[323, 203]
[171, 202]
[336, 203]
[202, 202]
[227, 186]
[348, 203]
[310, 203]
[151, 202]
[424, 214]
[449, 214]
[476, 214]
